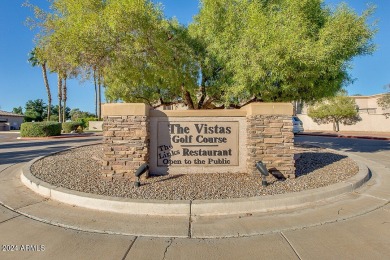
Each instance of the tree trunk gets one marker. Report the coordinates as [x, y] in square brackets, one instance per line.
[59, 98]
[204, 94]
[64, 98]
[99, 109]
[335, 125]
[187, 98]
[96, 96]
[44, 72]
[208, 104]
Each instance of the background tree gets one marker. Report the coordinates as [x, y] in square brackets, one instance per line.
[76, 114]
[336, 110]
[280, 50]
[154, 65]
[127, 45]
[384, 102]
[17, 110]
[36, 58]
[51, 50]
[35, 110]
[55, 113]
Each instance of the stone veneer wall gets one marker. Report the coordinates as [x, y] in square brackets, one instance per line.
[126, 142]
[270, 140]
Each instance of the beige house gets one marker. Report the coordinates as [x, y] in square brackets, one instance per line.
[373, 118]
[10, 121]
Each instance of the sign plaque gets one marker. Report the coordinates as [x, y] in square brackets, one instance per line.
[197, 143]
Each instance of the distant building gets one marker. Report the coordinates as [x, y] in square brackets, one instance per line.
[373, 117]
[10, 121]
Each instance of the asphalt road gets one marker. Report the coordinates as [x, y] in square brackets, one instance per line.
[374, 150]
[19, 151]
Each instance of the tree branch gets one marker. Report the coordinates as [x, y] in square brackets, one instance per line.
[187, 98]
[203, 91]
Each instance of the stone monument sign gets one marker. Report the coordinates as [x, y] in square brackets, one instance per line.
[197, 141]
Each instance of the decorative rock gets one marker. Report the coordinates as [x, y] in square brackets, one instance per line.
[79, 169]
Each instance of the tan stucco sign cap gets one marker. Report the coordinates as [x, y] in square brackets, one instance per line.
[269, 109]
[140, 109]
[125, 109]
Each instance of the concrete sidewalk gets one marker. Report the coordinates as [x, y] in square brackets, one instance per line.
[355, 225]
[350, 134]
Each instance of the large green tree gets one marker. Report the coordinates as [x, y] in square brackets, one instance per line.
[151, 60]
[384, 102]
[127, 46]
[17, 110]
[280, 50]
[335, 110]
[35, 110]
[76, 114]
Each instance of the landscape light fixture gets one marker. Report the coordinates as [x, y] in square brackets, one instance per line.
[141, 170]
[262, 168]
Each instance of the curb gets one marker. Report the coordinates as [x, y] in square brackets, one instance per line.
[280, 201]
[100, 202]
[346, 136]
[57, 137]
[192, 208]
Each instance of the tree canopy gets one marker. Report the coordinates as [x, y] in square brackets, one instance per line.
[35, 110]
[17, 110]
[281, 50]
[384, 102]
[76, 114]
[237, 50]
[336, 110]
[137, 53]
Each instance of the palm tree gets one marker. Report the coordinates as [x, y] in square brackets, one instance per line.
[59, 97]
[64, 98]
[96, 93]
[36, 59]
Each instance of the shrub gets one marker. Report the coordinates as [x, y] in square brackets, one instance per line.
[82, 122]
[68, 127]
[54, 118]
[85, 121]
[40, 129]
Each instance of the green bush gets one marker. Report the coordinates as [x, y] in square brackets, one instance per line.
[54, 118]
[85, 121]
[40, 129]
[68, 127]
[82, 122]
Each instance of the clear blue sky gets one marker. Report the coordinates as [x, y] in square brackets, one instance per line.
[20, 82]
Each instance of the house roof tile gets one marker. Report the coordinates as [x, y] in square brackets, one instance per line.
[4, 113]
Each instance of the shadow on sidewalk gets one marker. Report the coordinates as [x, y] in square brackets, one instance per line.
[35, 143]
[25, 156]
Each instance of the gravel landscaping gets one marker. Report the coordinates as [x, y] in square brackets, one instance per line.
[79, 169]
